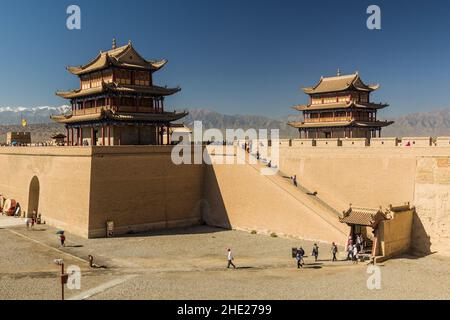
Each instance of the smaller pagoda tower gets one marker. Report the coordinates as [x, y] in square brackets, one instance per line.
[117, 102]
[340, 107]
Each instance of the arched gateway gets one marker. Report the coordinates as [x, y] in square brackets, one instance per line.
[33, 197]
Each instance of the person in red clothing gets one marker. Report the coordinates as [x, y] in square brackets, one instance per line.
[62, 238]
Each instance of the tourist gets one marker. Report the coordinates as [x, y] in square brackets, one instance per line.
[27, 222]
[299, 257]
[269, 165]
[32, 222]
[334, 251]
[359, 241]
[350, 252]
[295, 181]
[230, 259]
[355, 254]
[62, 238]
[315, 252]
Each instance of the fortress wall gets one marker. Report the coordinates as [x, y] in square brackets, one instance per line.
[372, 177]
[384, 142]
[303, 143]
[140, 189]
[416, 141]
[355, 142]
[63, 180]
[432, 200]
[238, 196]
[443, 141]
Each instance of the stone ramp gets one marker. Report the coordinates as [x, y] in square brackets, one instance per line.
[238, 196]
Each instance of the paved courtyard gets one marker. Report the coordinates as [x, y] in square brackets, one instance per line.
[190, 264]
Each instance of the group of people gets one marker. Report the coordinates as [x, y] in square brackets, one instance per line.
[35, 219]
[300, 254]
[354, 248]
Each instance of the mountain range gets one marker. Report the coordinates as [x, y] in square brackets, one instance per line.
[432, 123]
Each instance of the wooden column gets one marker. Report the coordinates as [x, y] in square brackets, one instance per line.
[72, 136]
[93, 142]
[81, 136]
[103, 135]
[109, 135]
[67, 138]
[168, 134]
[162, 105]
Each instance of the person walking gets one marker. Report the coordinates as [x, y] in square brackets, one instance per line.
[230, 260]
[350, 252]
[315, 252]
[355, 254]
[62, 238]
[295, 181]
[299, 257]
[334, 251]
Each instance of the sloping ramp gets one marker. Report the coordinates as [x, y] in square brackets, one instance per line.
[238, 196]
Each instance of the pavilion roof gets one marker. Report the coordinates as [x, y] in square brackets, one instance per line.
[120, 116]
[125, 56]
[340, 83]
[341, 105]
[363, 216]
[114, 87]
[339, 124]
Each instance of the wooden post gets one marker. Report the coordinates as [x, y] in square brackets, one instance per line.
[93, 142]
[67, 139]
[103, 135]
[168, 134]
[109, 135]
[72, 136]
[81, 136]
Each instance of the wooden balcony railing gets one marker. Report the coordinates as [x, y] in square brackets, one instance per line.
[339, 119]
[127, 109]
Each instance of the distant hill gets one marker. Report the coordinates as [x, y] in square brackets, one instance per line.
[433, 123]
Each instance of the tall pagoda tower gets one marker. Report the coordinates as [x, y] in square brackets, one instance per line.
[117, 102]
[340, 107]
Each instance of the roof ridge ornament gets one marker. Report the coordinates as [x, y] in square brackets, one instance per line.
[338, 72]
[114, 43]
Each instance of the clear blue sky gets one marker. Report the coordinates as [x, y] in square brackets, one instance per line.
[234, 56]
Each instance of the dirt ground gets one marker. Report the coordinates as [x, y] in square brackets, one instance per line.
[185, 264]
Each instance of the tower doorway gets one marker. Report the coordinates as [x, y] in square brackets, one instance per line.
[33, 197]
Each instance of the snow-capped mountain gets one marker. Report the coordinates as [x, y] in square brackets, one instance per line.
[35, 115]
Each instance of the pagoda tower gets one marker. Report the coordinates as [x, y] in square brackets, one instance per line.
[117, 102]
[340, 107]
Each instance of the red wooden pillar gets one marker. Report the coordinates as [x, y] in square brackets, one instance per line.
[68, 138]
[103, 135]
[109, 135]
[168, 134]
[93, 142]
[72, 136]
[81, 136]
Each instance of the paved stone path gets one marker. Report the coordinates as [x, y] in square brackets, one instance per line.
[190, 264]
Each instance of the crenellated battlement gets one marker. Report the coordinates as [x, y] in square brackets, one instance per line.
[407, 142]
